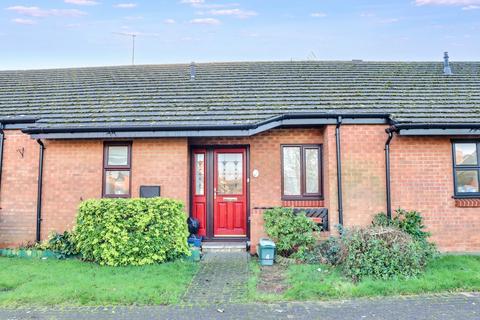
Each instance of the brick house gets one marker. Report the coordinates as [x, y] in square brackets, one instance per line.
[231, 139]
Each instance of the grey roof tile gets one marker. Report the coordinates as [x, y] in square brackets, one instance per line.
[241, 92]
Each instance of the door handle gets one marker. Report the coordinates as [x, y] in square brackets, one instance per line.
[214, 193]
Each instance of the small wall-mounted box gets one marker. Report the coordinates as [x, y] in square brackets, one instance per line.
[149, 191]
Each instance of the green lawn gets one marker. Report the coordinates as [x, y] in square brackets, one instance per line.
[445, 274]
[72, 282]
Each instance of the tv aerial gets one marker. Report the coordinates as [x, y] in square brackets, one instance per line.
[133, 35]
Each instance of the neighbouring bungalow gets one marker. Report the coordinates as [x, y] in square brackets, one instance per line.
[343, 140]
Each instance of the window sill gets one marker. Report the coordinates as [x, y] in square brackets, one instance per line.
[303, 203]
[106, 196]
[467, 202]
[467, 196]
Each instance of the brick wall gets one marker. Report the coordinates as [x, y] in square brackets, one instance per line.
[363, 173]
[72, 173]
[18, 195]
[162, 162]
[422, 179]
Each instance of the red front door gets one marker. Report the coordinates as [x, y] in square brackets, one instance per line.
[229, 193]
[219, 191]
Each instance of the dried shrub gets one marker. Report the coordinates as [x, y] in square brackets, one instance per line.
[383, 252]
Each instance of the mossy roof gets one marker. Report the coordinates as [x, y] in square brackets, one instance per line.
[241, 93]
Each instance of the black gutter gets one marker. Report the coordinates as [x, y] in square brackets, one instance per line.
[39, 189]
[398, 127]
[180, 127]
[339, 171]
[387, 173]
[18, 119]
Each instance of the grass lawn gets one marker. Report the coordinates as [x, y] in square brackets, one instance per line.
[72, 282]
[445, 274]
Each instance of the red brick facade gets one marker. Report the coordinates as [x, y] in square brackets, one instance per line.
[73, 172]
[18, 192]
[421, 178]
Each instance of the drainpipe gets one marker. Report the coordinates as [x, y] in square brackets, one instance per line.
[39, 190]
[339, 171]
[387, 173]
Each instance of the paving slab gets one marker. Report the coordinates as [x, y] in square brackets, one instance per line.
[221, 279]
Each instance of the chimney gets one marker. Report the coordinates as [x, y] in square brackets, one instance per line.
[193, 71]
[446, 65]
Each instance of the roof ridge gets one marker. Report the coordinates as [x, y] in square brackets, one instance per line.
[386, 62]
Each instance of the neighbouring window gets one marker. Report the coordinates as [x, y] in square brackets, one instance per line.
[466, 168]
[117, 170]
[301, 172]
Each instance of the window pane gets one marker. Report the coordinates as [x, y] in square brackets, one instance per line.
[467, 181]
[117, 156]
[291, 171]
[230, 173]
[311, 169]
[117, 182]
[199, 174]
[466, 153]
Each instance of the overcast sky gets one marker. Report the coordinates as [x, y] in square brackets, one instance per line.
[67, 33]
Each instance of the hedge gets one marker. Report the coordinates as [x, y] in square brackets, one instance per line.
[131, 231]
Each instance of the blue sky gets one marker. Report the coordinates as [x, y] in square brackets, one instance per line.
[64, 33]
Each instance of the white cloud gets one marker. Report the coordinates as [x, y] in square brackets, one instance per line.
[169, 21]
[207, 21]
[82, 2]
[38, 12]
[217, 5]
[318, 14]
[192, 2]
[471, 7]
[239, 13]
[447, 2]
[23, 21]
[125, 5]
[203, 5]
[389, 20]
[133, 18]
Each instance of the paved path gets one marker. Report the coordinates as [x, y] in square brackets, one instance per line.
[461, 306]
[222, 279]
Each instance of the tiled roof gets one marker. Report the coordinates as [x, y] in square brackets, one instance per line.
[241, 93]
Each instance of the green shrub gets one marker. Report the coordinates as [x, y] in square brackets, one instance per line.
[62, 243]
[291, 232]
[131, 231]
[409, 221]
[382, 253]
